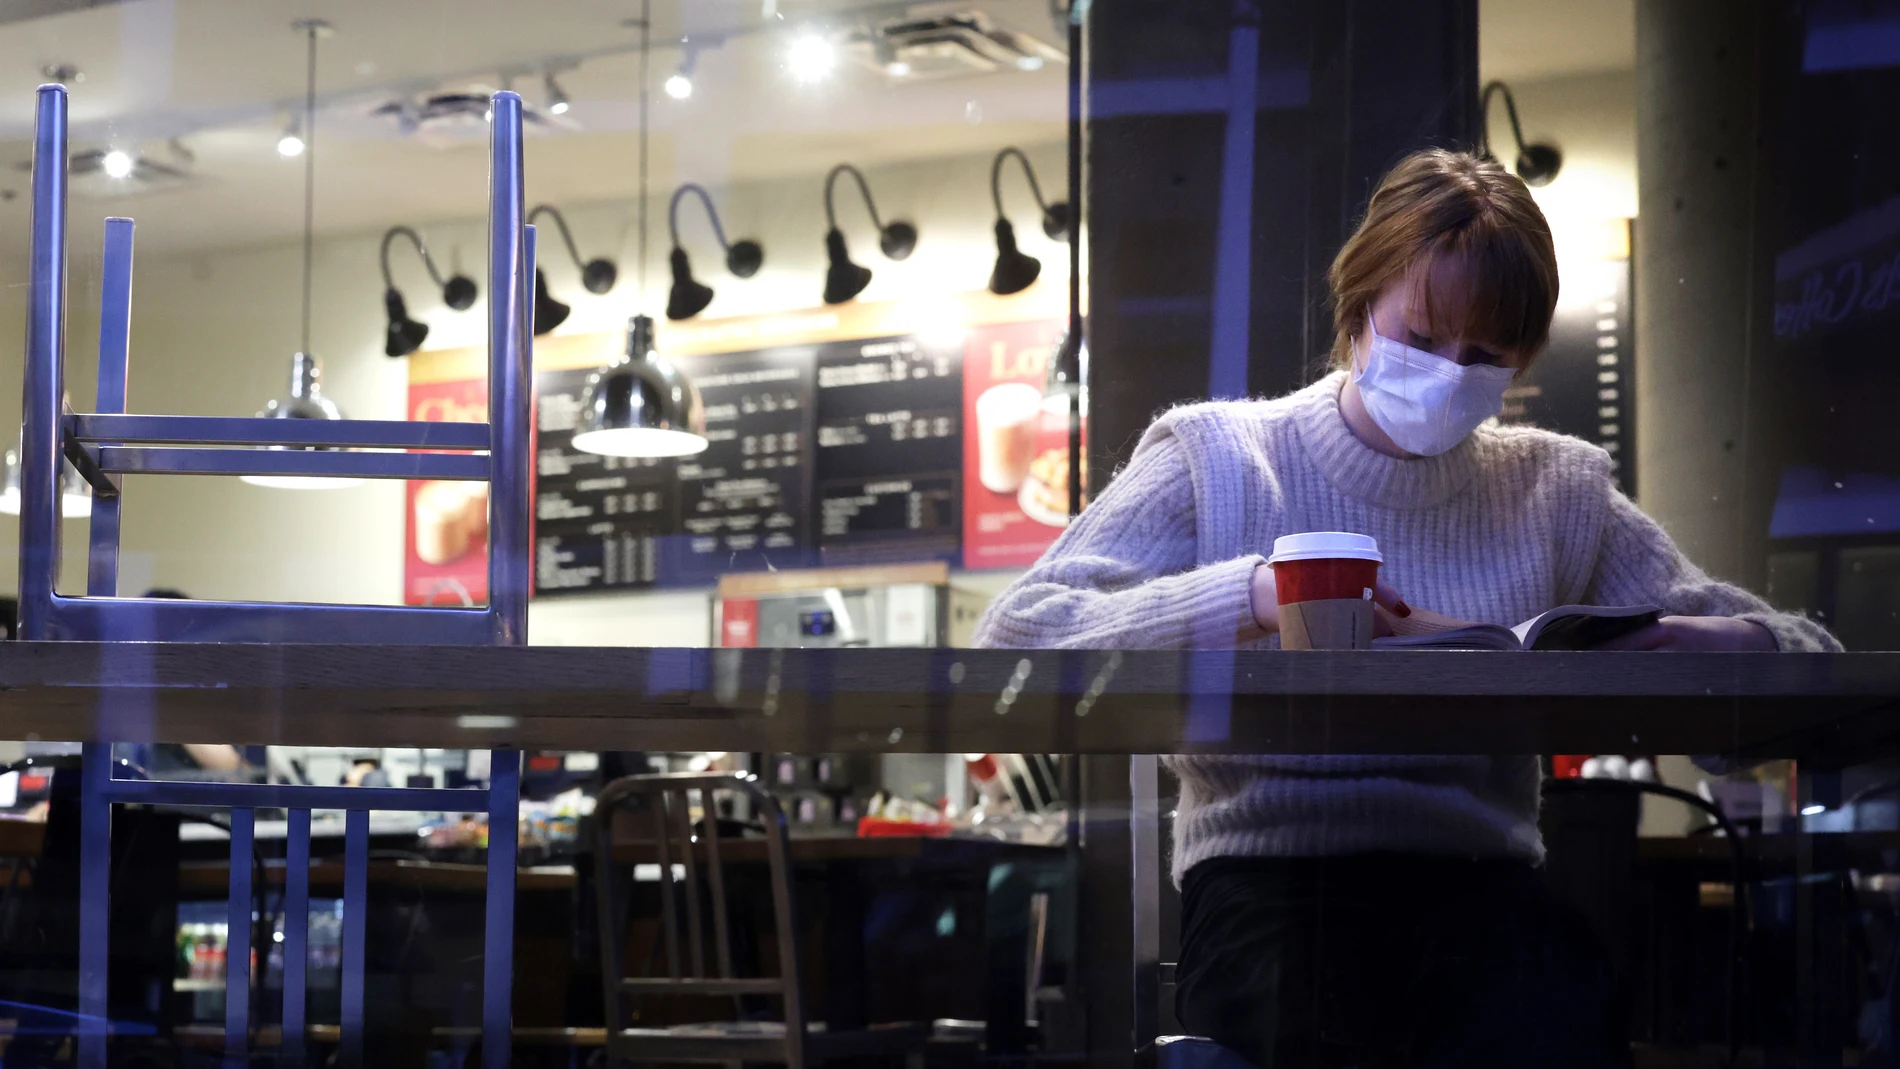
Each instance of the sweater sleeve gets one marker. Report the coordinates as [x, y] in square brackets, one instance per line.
[1637, 564]
[1123, 575]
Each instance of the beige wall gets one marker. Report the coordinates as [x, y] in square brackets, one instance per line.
[212, 334]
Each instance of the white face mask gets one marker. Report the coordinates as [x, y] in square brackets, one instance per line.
[1425, 403]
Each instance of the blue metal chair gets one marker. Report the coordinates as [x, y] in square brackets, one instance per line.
[109, 444]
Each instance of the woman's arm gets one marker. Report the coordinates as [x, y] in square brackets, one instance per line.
[1123, 575]
[1637, 563]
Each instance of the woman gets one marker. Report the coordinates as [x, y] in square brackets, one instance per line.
[1382, 910]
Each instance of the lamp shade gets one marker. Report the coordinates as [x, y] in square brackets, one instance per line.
[641, 406]
[843, 279]
[1015, 270]
[689, 296]
[548, 312]
[1538, 164]
[304, 401]
[459, 293]
[403, 335]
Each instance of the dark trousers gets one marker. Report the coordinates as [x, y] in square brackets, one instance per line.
[1392, 961]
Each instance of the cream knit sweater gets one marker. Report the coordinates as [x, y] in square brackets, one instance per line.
[1509, 523]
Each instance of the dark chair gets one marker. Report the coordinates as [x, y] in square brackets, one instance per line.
[793, 1040]
[1193, 1052]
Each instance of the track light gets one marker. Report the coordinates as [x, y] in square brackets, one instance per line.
[810, 58]
[680, 85]
[597, 276]
[843, 278]
[404, 335]
[1537, 164]
[1016, 270]
[557, 97]
[116, 164]
[291, 144]
[689, 296]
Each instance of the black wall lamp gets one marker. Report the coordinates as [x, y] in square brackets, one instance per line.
[1537, 164]
[844, 279]
[405, 335]
[597, 276]
[689, 296]
[1015, 270]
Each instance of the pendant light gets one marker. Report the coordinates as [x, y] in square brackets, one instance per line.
[1016, 270]
[641, 405]
[305, 399]
[689, 296]
[843, 278]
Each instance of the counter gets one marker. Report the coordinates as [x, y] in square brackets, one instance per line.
[1814, 706]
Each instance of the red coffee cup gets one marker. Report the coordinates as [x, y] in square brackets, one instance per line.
[1324, 580]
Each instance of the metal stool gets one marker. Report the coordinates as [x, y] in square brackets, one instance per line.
[109, 444]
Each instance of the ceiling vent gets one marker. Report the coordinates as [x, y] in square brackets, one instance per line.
[453, 116]
[948, 45]
[87, 175]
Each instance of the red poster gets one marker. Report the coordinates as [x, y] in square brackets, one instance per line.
[739, 623]
[1015, 446]
[445, 560]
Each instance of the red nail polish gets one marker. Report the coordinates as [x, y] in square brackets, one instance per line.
[1402, 609]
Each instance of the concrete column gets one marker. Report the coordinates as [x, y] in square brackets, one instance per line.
[1704, 280]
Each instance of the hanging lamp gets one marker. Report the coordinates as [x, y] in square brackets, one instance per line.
[641, 405]
[305, 399]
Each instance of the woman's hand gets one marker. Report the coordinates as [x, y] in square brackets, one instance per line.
[1698, 633]
[1266, 602]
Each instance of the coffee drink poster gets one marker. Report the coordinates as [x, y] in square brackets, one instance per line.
[1015, 445]
[445, 560]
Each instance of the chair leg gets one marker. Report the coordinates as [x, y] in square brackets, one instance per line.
[498, 944]
[95, 912]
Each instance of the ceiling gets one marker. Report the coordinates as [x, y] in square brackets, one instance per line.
[1526, 40]
[209, 85]
[222, 79]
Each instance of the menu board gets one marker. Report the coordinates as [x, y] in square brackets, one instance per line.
[889, 456]
[743, 500]
[1583, 384]
[833, 438]
[598, 521]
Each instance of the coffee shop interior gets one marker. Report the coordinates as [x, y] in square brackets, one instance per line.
[928, 268]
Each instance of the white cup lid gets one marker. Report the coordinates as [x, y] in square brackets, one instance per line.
[1325, 545]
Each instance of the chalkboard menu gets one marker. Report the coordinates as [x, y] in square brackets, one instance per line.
[598, 521]
[890, 450]
[1583, 384]
[821, 451]
[743, 500]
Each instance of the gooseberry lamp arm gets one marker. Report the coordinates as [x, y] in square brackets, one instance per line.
[1491, 89]
[712, 213]
[435, 274]
[996, 179]
[831, 181]
[560, 223]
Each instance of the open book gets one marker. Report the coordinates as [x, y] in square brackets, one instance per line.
[1569, 627]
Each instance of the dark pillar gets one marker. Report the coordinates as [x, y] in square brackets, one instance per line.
[1341, 92]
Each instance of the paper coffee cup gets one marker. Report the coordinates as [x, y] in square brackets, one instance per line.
[1006, 418]
[1325, 581]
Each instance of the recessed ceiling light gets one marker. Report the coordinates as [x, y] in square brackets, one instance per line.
[679, 86]
[897, 69]
[1029, 63]
[117, 164]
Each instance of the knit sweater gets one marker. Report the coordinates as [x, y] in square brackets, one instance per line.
[1509, 523]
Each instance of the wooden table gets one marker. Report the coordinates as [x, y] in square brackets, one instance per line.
[1815, 706]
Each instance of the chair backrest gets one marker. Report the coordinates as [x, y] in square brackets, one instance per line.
[698, 958]
[108, 444]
